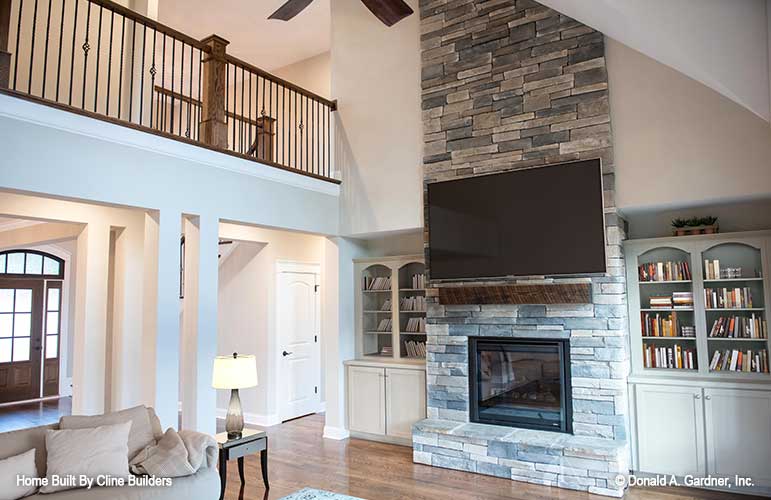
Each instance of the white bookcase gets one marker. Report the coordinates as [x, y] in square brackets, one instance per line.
[403, 303]
[700, 421]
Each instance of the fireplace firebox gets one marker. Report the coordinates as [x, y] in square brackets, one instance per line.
[521, 383]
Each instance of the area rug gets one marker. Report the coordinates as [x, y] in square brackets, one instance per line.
[313, 494]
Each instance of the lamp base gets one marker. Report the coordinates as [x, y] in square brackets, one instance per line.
[234, 422]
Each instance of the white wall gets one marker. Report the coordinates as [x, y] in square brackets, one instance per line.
[720, 43]
[247, 309]
[314, 74]
[376, 81]
[678, 142]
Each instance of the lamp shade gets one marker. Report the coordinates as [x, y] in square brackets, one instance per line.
[234, 372]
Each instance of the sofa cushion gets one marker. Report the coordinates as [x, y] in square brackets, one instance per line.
[17, 442]
[100, 451]
[142, 431]
[13, 467]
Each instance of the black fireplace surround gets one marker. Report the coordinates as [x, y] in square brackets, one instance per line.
[521, 383]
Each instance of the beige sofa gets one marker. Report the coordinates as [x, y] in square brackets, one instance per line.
[204, 485]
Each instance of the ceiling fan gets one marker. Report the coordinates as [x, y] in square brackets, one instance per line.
[389, 12]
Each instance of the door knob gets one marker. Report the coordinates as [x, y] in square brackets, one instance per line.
[286, 353]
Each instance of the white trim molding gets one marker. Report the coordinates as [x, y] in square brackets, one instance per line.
[336, 433]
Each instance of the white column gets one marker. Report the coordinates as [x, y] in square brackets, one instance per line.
[167, 337]
[199, 323]
[208, 282]
[338, 327]
[89, 352]
[149, 307]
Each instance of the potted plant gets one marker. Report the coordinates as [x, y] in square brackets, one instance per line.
[679, 226]
[695, 225]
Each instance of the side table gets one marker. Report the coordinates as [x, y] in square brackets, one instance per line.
[250, 442]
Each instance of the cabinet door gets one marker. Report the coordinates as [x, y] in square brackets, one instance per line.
[366, 399]
[670, 429]
[405, 400]
[738, 437]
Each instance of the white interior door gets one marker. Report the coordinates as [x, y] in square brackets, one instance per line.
[298, 341]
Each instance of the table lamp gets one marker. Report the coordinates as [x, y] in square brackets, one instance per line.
[234, 372]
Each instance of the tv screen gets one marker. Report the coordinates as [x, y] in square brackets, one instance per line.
[544, 221]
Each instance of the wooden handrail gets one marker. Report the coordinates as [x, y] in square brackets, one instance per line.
[151, 23]
[195, 102]
[307, 93]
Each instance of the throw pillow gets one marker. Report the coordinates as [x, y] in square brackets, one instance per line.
[141, 435]
[100, 451]
[13, 467]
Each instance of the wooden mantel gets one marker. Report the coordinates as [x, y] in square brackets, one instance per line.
[541, 293]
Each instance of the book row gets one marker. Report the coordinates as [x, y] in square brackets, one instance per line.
[740, 327]
[412, 303]
[677, 300]
[735, 360]
[674, 357]
[372, 283]
[728, 298]
[664, 271]
[384, 325]
[415, 349]
[419, 281]
[416, 325]
[665, 325]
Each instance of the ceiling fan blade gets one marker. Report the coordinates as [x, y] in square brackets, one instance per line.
[290, 9]
[389, 12]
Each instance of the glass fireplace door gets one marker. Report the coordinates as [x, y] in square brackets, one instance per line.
[520, 383]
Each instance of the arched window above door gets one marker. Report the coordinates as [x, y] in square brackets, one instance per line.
[30, 264]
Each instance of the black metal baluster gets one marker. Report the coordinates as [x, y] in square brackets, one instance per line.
[131, 77]
[181, 86]
[122, 62]
[200, 102]
[32, 47]
[241, 118]
[329, 141]
[45, 53]
[72, 55]
[109, 65]
[162, 97]
[296, 139]
[142, 74]
[270, 121]
[249, 123]
[283, 125]
[59, 63]
[153, 71]
[227, 98]
[233, 146]
[317, 116]
[190, 88]
[98, 56]
[86, 47]
[173, 48]
[305, 130]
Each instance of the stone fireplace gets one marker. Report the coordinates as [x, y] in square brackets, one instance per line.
[521, 383]
[511, 84]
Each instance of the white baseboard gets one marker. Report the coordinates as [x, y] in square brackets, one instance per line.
[254, 418]
[336, 433]
[322, 407]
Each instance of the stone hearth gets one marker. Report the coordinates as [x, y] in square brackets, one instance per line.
[511, 84]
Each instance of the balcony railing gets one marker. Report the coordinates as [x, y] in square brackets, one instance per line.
[98, 58]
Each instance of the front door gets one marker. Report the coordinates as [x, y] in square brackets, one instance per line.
[21, 322]
[298, 339]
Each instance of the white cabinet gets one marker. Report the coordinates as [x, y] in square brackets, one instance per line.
[670, 429]
[384, 402]
[738, 431]
[703, 430]
[366, 399]
[405, 400]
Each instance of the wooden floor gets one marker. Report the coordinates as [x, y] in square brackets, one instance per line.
[299, 458]
[23, 416]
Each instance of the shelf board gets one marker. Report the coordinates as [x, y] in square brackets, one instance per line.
[646, 337]
[728, 309]
[667, 309]
[678, 370]
[412, 333]
[377, 291]
[670, 282]
[731, 280]
[737, 339]
[412, 289]
[412, 312]
[377, 333]
[377, 312]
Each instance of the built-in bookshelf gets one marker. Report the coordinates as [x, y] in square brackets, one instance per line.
[697, 305]
[391, 308]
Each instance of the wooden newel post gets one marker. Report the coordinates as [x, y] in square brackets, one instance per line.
[5, 56]
[214, 129]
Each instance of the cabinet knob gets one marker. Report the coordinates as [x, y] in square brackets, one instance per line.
[697, 396]
[707, 397]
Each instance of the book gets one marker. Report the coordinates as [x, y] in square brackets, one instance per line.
[728, 298]
[664, 271]
[672, 357]
[749, 361]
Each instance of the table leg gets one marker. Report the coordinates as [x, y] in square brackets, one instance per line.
[264, 466]
[241, 469]
[223, 474]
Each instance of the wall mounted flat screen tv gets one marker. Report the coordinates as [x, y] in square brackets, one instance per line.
[544, 221]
